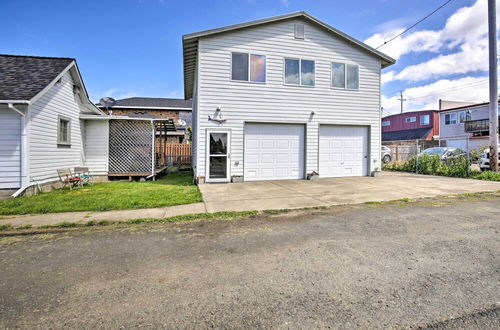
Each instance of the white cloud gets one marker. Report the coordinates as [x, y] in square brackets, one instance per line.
[465, 29]
[472, 89]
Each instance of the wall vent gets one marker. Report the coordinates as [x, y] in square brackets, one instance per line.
[299, 31]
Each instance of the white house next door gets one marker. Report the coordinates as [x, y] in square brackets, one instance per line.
[343, 151]
[218, 154]
[274, 151]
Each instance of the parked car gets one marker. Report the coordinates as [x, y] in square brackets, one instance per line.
[484, 161]
[386, 154]
[445, 153]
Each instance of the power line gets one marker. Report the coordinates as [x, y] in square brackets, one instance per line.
[440, 91]
[411, 27]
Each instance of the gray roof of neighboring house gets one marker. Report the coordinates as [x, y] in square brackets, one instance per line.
[190, 43]
[409, 134]
[153, 102]
[23, 77]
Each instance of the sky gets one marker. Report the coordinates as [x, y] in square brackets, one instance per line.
[128, 48]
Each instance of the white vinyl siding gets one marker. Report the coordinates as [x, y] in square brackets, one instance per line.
[97, 146]
[46, 155]
[458, 129]
[10, 149]
[275, 102]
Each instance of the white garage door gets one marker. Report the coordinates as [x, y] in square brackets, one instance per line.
[343, 151]
[274, 151]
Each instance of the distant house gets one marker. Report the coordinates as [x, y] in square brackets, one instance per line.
[179, 110]
[282, 97]
[413, 125]
[465, 126]
[41, 102]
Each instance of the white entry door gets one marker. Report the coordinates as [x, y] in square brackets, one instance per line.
[343, 151]
[274, 151]
[218, 154]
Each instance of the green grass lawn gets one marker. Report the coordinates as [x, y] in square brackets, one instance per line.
[172, 189]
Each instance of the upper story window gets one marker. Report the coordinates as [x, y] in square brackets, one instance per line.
[425, 120]
[63, 131]
[386, 123]
[450, 119]
[411, 119]
[299, 72]
[345, 76]
[462, 116]
[248, 67]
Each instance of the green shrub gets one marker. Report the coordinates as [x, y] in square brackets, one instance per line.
[487, 175]
[433, 165]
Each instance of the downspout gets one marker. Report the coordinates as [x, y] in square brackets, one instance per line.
[153, 131]
[24, 149]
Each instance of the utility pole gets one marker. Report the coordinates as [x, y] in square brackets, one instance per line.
[492, 36]
[401, 99]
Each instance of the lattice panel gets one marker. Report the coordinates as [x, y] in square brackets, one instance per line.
[130, 146]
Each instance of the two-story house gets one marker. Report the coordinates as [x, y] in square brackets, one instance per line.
[421, 125]
[281, 97]
[465, 126]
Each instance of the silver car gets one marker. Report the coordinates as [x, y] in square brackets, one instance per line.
[386, 154]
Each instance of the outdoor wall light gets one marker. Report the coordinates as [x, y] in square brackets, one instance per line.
[217, 115]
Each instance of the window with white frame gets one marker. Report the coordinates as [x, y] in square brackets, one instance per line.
[299, 72]
[345, 76]
[425, 119]
[63, 130]
[386, 123]
[248, 67]
[450, 119]
[411, 119]
[462, 116]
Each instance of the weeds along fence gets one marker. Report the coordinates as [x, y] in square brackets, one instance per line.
[173, 154]
[403, 151]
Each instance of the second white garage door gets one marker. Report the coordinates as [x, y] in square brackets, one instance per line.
[274, 151]
[343, 151]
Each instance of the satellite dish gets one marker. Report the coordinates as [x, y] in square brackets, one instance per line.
[107, 102]
[181, 122]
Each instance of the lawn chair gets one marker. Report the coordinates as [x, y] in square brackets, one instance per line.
[84, 174]
[68, 179]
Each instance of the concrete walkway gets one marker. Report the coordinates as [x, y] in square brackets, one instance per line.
[285, 194]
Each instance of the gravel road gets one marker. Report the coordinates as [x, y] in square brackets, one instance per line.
[430, 264]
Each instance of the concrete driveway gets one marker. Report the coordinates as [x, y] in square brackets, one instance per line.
[287, 194]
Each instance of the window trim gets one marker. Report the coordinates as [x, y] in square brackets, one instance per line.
[300, 72]
[249, 64]
[345, 76]
[428, 119]
[411, 121]
[386, 121]
[457, 119]
[59, 141]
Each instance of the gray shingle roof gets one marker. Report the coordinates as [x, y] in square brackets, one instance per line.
[23, 77]
[153, 102]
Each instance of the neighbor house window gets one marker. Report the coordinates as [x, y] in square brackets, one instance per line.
[63, 131]
[345, 76]
[299, 72]
[425, 120]
[411, 119]
[462, 116]
[386, 123]
[248, 67]
[450, 119]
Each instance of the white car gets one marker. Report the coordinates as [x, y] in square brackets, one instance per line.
[484, 161]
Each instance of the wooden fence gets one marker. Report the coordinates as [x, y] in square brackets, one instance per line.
[174, 154]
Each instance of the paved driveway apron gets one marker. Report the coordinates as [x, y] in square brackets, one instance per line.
[284, 194]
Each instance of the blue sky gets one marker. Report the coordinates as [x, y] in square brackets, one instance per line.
[133, 47]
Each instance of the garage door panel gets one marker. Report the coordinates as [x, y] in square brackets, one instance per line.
[277, 154]
[347, 147]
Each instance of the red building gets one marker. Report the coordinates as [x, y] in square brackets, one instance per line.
[422, 125]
